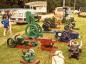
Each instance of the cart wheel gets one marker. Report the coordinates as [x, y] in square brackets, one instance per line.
[31, 31]
[11, 43]
[15, 38]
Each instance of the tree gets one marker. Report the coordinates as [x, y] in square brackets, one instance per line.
[21, 3]
[51, 5]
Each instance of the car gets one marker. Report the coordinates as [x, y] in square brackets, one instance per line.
[82, 12]
[59, 12]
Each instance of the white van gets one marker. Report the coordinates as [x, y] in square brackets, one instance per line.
[19, 15]
[59, 11]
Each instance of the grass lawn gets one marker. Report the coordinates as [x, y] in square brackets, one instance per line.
[12, 55]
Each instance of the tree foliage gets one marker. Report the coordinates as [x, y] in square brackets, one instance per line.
[52, 3]
[59, 3]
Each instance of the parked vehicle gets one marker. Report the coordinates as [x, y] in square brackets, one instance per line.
[82, 12]
[19, 15]
[59, 12]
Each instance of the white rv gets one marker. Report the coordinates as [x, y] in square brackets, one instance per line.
[18, 15]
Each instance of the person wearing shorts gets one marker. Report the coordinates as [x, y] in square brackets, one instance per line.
[5, 23]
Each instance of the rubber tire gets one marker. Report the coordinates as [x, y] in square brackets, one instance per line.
[11, 44]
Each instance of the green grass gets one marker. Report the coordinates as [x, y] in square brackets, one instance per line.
[15, 29]
[12, 55]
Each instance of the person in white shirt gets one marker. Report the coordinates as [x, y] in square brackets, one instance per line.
[69, 12]
[58, 58]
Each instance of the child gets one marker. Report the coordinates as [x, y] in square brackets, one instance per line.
[5, 23]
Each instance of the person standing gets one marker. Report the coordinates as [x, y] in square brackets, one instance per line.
[67, 12]
[5, 23]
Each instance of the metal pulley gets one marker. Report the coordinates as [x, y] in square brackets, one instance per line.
[33, 30]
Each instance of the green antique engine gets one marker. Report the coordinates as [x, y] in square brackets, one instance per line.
[33, 30]
[29, 55]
